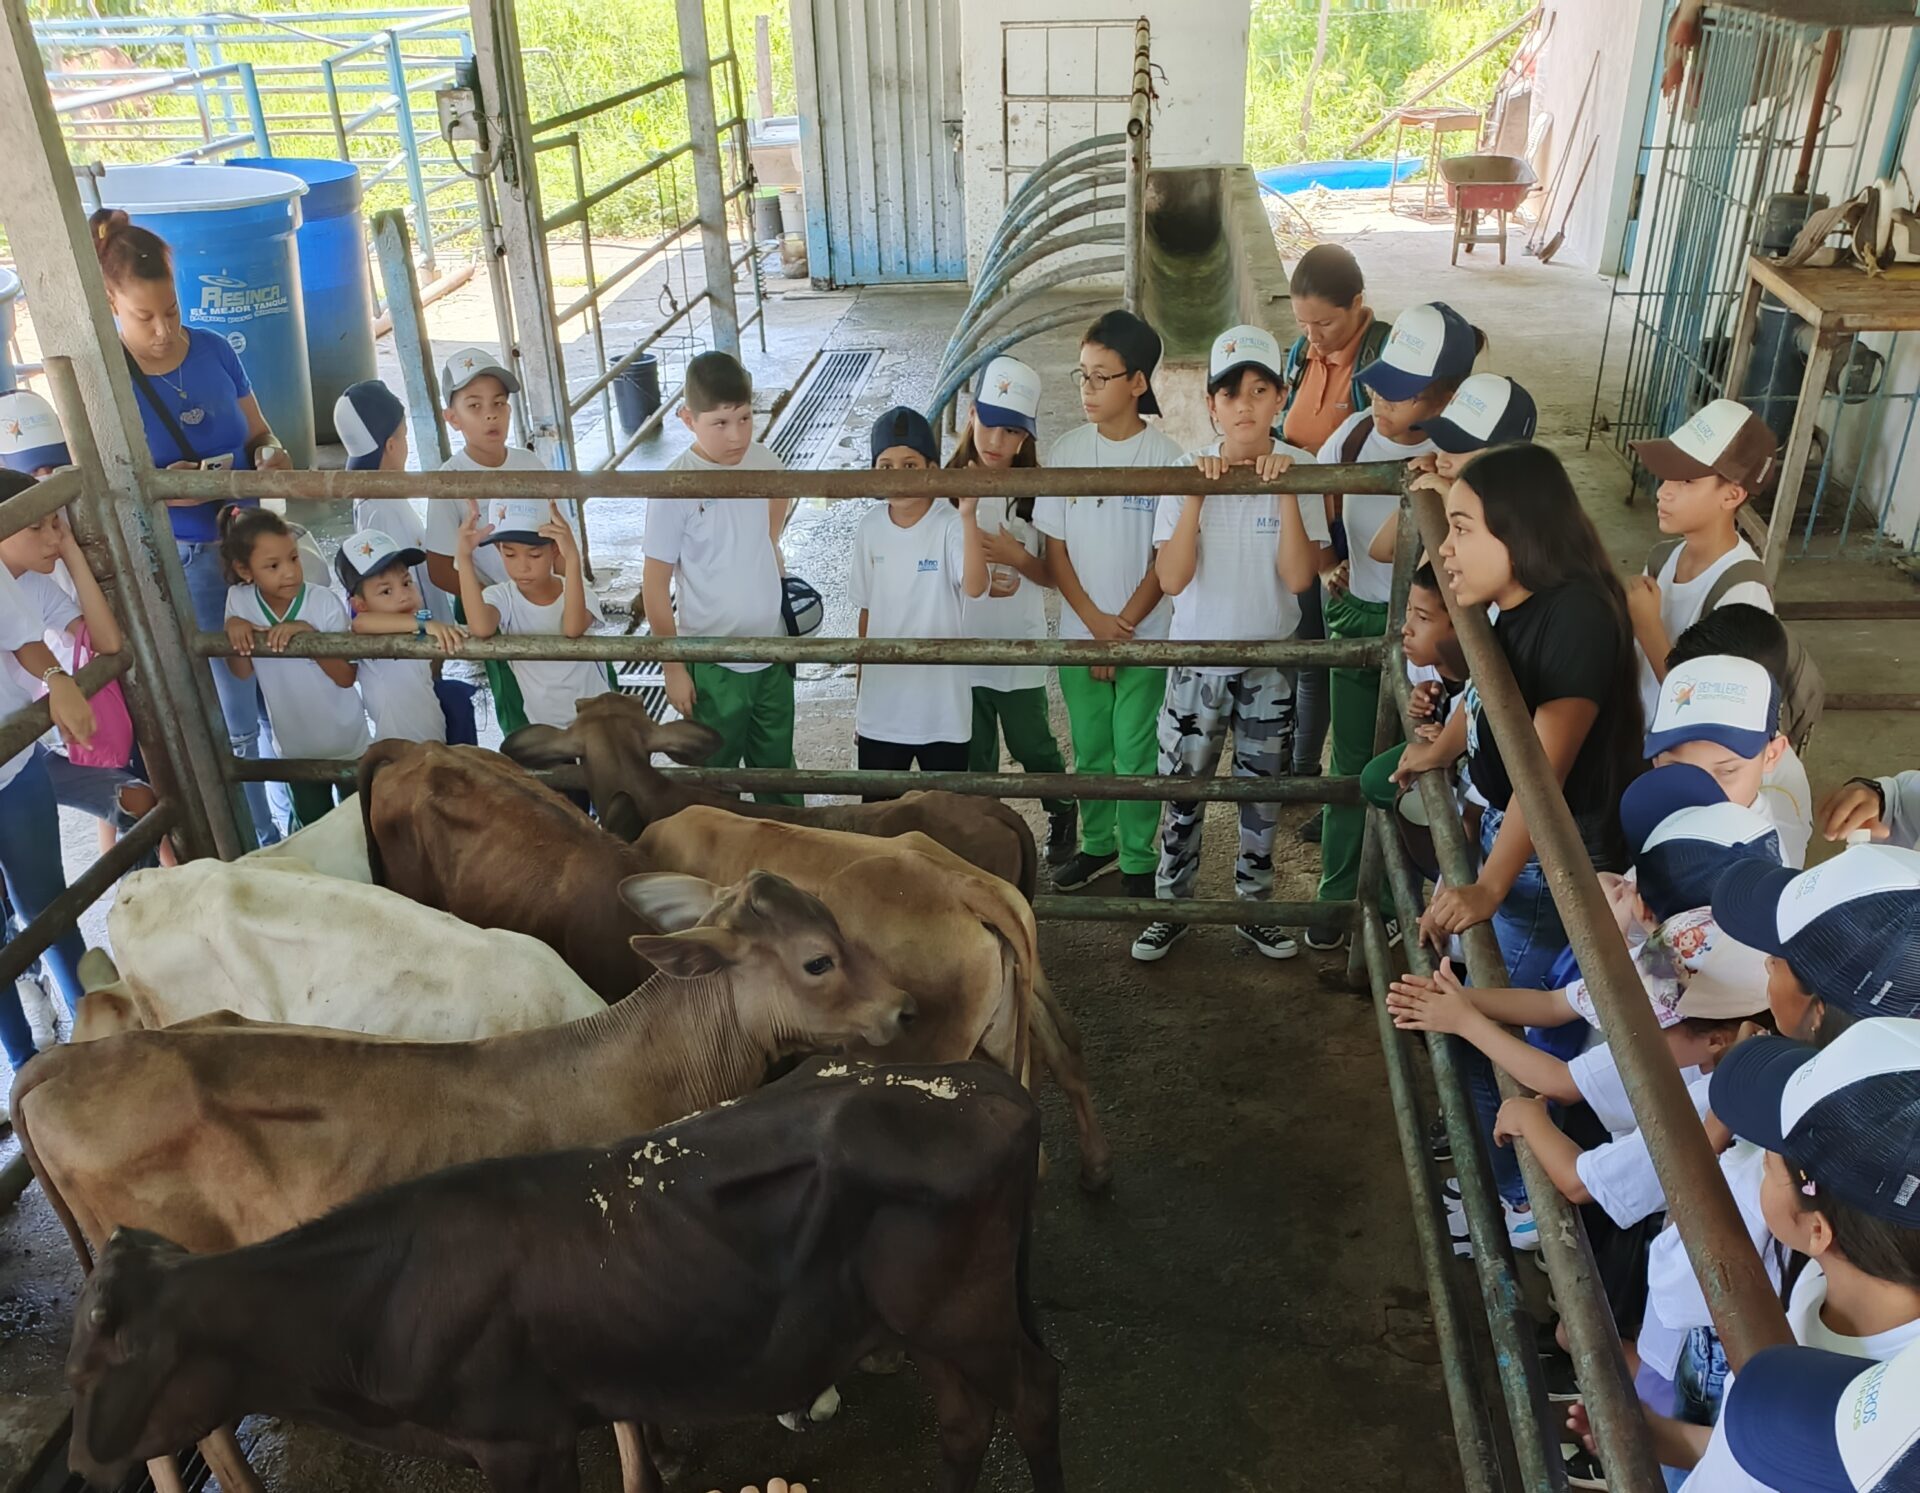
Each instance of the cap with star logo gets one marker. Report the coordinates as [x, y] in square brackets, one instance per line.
[1243, 347]
[30, 436]
[468, 364]
[1008, 396]
[367, 553]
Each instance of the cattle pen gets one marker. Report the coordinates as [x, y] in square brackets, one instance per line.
[1478, 1345]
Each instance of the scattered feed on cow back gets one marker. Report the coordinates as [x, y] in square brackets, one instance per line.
[1242, 1311]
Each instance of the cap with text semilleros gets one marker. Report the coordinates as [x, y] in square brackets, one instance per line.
[1488, 409]
[1726, 439]
[1718, 697]
[30, 434]
[1244, 347]
[1803, 1420]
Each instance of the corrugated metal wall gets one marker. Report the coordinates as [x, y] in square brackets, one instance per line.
[879, 84]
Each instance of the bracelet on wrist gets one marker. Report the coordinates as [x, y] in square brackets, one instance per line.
[52, 672]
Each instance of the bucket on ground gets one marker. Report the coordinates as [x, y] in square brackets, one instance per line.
[9, 293]
[237, 270]
[334, 279]
[766, 214]
[636, 392]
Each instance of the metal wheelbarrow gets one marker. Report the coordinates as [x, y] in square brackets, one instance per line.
[1484, 184]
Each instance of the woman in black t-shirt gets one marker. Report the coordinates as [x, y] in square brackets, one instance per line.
[1518, 538]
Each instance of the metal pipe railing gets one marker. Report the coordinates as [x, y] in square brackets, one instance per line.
[63, 912]
[1139, 127]
[1746, 1310]
[49, 495]
[23, 727]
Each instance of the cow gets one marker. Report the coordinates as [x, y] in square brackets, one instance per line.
[465, 830]
[333, 845]
[219, 1135]
[726, 1264]
[962, 941]
[614, 737]
[273, 941]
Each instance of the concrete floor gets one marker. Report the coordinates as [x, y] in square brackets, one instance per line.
[1246, 1311]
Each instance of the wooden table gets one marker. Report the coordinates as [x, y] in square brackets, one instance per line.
[1837, 304]
[1438, 120]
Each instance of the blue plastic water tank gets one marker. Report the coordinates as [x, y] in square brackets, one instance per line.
[9, 293]
[333, 278]
[238, 273]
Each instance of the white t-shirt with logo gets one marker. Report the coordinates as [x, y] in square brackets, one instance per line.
[1236, 592]
[399, 519]
[1021, 615]
[908, 581]
[20, 624]
[443, 519]
[726, 575]
[1364, 514]
[399, 696]
[550, 689]
[1109, 540]
[311, 716]
[1681, 604]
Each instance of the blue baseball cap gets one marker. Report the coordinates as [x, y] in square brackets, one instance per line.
[1720, 698]
[1803, 1420]
[1008, 396]
[903, 426]
[1847, 1115]
[30, 434]
[1428, 343]
[1489, 409]
[1654, 796]
[365, 417]
[1849, 928]
[1681, 860]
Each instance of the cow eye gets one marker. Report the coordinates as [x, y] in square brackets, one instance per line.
[819, 964]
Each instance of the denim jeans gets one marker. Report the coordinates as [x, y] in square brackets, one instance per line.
[1310, 704]
[1699, 1386]
[30, 861]
[239, 698]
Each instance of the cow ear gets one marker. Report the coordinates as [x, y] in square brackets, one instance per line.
[689, 955]
[669, 900]
[541, 746]
[689, 743]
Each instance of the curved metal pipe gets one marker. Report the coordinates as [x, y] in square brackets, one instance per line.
[990, 273]
[1046, 176]
[1109, 265]
[1037, 228]
[1105, 233]
[1046, 323]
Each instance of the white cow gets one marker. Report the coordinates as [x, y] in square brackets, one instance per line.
[273, 941]
[335, 845]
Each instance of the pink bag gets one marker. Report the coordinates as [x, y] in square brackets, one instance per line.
[112, 744]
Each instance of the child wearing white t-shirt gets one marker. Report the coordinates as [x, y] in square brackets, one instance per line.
[312, 704]
[1100, 557]
[914, 560]
[544, 592]
[385, 600]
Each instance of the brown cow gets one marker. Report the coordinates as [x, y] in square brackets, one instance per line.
[464, 830]
[614, 738]
[962, 942]
[218, 1136]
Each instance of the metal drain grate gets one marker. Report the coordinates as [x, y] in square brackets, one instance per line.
[813, 419]
[56, 1479]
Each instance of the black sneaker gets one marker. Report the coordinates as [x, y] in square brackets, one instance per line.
[1269, 938]
[1063, 835]
[1156, 939]
[1583, 1468]
[1556, 1367]
[1136, 884]
[1439, 1144]
[1309, 830]
[1083, 869]
[1324, 937]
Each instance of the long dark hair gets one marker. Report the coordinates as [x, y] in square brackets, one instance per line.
[1027, 456]
[1532, 509]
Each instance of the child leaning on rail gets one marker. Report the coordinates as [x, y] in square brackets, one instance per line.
[400, 695]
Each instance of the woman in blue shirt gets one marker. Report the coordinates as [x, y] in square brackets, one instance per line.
[196, 405]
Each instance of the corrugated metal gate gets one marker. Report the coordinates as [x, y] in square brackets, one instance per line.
[879, 84]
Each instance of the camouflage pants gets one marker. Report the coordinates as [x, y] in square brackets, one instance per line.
[1257, 705]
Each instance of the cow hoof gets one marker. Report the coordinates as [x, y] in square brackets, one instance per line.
[792, 1421]
[884, 1361]
[825, 1407]
[1096, 1177]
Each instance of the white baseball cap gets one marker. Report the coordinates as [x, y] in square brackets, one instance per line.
[1008, 396]
[469, 363]
[1487, 409]
[1804, 1420]
[1691, 966]
[30, 433]
[370, 551]
[1726, 439]
[1717, 697]
[1244, 347]
[516, 520]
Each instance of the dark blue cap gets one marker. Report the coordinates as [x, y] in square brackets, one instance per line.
[1428, 343]
[1487, 410]
[1846, 1115]
[1804, 1420]
[365, 418]
[903, 426]
[1652, 796]
[1849, 928]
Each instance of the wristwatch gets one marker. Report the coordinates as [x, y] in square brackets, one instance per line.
[420, 620]
[1878, 792]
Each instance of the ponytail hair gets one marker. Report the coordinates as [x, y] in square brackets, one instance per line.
[240, 530]
[128, 253]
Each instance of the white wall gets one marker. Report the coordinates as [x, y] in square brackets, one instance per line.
[1625, 37]
[1200, 117]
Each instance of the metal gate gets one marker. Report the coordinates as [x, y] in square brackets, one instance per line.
[879, 86]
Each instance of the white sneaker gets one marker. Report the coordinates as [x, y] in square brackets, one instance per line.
[38, 1006]
[1522, 1231]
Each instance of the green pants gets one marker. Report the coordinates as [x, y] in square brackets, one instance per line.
[1116, 730]
[1021, 716]
[1377, 786]
[509, 710]
[753, 714]
[310, 802]
[1353, 696]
